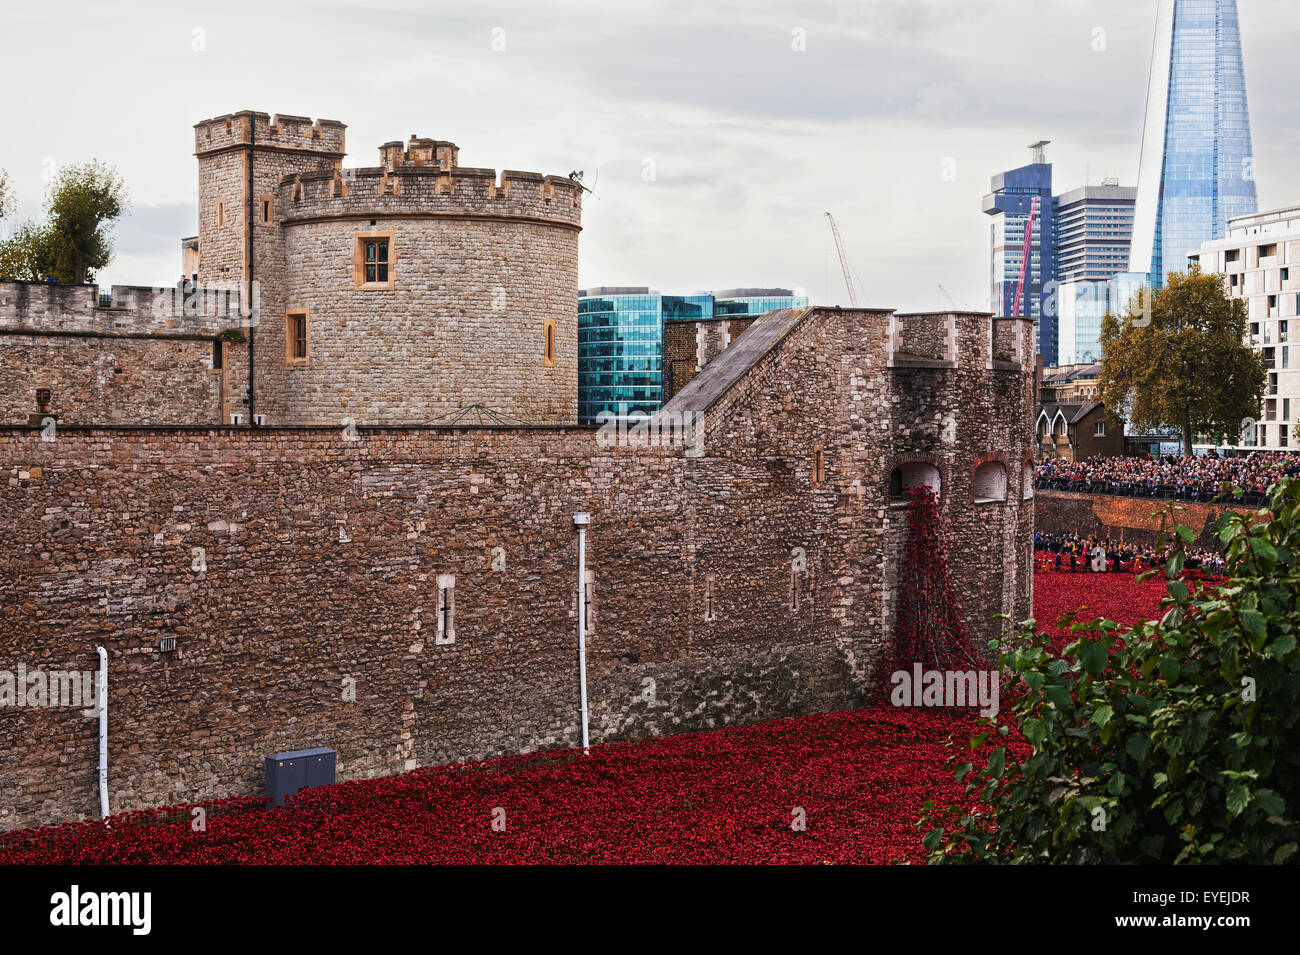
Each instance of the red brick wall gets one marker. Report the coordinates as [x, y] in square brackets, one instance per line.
[1064, 512]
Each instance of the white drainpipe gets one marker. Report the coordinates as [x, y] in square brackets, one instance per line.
[103, 733]
[580, 520]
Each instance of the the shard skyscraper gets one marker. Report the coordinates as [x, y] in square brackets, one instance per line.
[1198, 167]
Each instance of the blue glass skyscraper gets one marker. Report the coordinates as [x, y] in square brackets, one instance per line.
[1009, 204]
[1197, 167]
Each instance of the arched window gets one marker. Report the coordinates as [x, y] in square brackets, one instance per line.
[989, 482]
[913, 474]
[1027, 481]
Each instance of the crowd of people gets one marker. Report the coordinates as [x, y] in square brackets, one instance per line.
[1073, 553]
[1195, 478]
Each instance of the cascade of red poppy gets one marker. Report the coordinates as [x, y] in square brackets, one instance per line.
[928, 625]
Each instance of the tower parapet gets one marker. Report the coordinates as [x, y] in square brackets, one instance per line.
[432, 190]
[296, 133]
[419, 152]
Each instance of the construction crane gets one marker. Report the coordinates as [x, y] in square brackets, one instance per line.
[844, 261]
[1016, 311]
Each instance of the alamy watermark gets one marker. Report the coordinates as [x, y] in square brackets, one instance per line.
[681, 429]
[1092, 299]
[954, 688]
[188, 299]
[41, 688]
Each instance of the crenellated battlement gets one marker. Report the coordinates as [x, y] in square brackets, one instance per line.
[435, 189]
[297, 133]
[419, 152]
[43, 307]
[958, 339]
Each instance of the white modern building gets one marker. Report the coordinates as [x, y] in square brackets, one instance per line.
[1261, 258]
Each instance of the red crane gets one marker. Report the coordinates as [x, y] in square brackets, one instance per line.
[1016, 311]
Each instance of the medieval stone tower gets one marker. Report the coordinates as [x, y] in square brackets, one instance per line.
[393, 294]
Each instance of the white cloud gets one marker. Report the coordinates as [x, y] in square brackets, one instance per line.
[752, 141]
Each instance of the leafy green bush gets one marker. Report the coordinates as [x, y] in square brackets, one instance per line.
[1175, 743]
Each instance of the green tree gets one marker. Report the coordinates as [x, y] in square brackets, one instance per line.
[28, 253]
[74, 241]
[21, 250]
[1185, 363]
[1174, 743]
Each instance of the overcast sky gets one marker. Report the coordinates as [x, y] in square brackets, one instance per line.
[720, 131]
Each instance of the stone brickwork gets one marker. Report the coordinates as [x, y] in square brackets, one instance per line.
[479, 306]
[130, 380]
[480, 267]
[298, 569]
[137, 356]
[123, 310]
[689, 346]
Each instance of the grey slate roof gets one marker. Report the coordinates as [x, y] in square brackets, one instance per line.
[736, 359]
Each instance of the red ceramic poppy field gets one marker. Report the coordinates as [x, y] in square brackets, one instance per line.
[842, 787]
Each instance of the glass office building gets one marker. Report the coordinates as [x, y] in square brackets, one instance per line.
[1009, 204]
[1093, 232]
[1081, 304]
[621, 341]
[1091, 235]
[1197, 168]
[754, 301]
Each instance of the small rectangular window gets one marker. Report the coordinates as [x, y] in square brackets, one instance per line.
[266, 210]
[446, 609]
[43, 398]
[589, 602]
[296, 338]
[819, 467]
[374, 260]
[221, 212]
[218, 355]
[377, 261]
[710, 612]
[1099, 430]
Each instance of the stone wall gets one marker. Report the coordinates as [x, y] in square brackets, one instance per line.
[299, 570]
[137, 356]
[481, 266]
[126, 380]
[48, 307]
[689, 346]
[464, 323]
